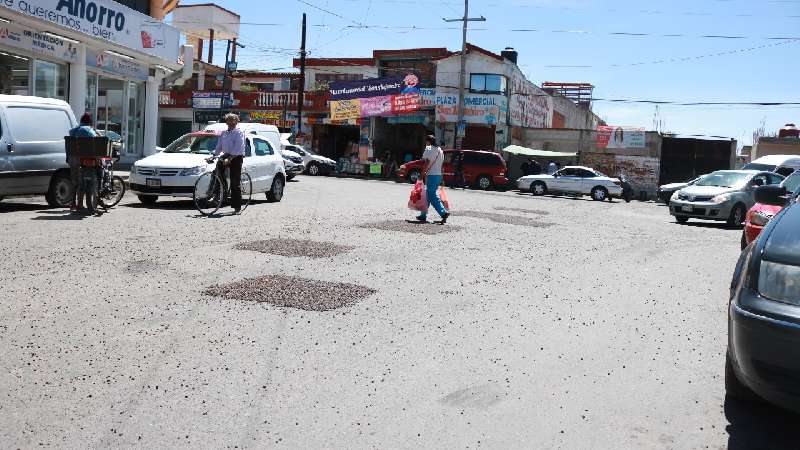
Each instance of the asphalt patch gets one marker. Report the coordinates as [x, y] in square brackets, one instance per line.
[292, 292]
[412, 227]
[522, 210]
[503, 218]
[295, 248]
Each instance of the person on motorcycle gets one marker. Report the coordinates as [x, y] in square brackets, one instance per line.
[230, 145]
[83, 130]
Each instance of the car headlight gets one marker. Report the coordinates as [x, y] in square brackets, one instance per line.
[675, 195]
[779, 282]
[721, 198]
[759, 218]
[192, 171]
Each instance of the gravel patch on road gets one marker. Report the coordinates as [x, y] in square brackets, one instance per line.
[292, 292]
[411, 227]
[503, 218]
[522, 210]
[295, 248]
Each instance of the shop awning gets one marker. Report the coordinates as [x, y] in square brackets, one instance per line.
[519, 150]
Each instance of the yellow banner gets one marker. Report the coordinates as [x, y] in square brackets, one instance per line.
[345, 109]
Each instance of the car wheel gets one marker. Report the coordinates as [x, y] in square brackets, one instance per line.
[483, 182]
[313, 169]
[736, 218]
[734, 387]
[147, 200]
[61, 193]
[289, 177]
[275, 193]
[538, 188]
[681, 219]
[744, 240]
[413, 176]
[599, 193]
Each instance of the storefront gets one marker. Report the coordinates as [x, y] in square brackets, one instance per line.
[99, 55]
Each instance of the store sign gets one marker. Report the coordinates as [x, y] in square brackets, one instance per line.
[116, 65]
[620, 137]
[210, 100]
[374, 97]
[371, 87]
[106, 20]
[271, 118]
[345, 109]
[479, 109]
[40, 44]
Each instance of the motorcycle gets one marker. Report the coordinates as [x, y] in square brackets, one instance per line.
[99, 184]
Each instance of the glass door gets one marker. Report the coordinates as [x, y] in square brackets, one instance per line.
[134, 132]
[91, 96]
[111, 108]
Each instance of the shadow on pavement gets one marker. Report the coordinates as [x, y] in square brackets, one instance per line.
[716, 225]
[17, 207]
[166, 204]
[760, 425]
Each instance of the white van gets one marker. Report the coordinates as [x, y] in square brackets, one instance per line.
[783, 165]
[32, 155]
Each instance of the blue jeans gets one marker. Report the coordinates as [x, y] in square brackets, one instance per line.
[432, 183]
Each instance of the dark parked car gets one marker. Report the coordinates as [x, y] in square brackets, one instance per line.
[763, 358]
[482, 170]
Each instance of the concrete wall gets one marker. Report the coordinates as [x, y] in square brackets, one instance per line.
[776, 146]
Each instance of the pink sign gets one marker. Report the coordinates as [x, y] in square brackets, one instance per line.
[376, 106]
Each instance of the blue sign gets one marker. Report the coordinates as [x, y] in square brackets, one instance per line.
[232, 65]
[371, 87]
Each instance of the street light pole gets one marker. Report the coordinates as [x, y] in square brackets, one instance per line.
[462, 73]
[225, 76]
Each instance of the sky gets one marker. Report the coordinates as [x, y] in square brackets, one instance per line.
[743, 66]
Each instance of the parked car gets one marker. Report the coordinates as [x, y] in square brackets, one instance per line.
[174, 171]
[724, 195]
[665, 191]
[482, 170]
[760, 214]
[780, 164]
[32, 151]
[763, 356]
[293, 163]
[573, 180]
[315, 164]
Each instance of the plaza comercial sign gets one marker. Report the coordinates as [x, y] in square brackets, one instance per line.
[106, 20]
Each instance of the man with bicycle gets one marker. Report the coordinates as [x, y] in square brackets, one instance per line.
[230, 145]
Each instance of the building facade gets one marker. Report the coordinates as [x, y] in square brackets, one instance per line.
[101, 56]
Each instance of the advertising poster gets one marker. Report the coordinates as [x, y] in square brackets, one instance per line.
[374, 97]
[345, 109]
[376, 106]
[620, 137]
[405, 103]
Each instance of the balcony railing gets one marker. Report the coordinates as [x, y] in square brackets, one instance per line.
[313, 101]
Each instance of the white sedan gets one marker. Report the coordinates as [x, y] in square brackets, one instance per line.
[573, 180]
[174, 171]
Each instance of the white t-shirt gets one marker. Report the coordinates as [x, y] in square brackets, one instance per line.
[435, 157]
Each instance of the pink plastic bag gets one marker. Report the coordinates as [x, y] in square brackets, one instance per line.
[418, 200]
[443, 198]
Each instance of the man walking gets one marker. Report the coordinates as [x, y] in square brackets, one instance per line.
[230, 145]
[433, 158]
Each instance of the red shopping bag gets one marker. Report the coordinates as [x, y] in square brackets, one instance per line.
[418, 200]
[443, 198]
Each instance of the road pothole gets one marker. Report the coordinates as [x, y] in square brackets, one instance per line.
[503, 218]
[522, 210]
[295, 248]
[292, 292]
[411, 227]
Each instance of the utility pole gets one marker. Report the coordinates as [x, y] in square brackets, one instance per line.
[225, 77]
[302, 86]
[462, 74]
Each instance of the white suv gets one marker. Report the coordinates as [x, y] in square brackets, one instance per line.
[174, 171]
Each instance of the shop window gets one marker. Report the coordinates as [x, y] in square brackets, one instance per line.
[50, 80]
[26, 124]
[483, 83]
[14, 74]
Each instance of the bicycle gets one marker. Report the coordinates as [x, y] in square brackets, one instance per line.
[211, 190]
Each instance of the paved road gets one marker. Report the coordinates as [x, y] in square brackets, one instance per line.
[578, 325]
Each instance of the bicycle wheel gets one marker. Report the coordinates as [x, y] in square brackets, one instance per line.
[112, 196]
[247, 189]
[208, 193]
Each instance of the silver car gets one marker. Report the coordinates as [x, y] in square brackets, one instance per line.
[724, 195]
[575, 180]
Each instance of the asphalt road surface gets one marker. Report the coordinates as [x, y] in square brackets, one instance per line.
[531, 323]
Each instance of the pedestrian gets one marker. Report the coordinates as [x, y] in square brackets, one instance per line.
[432, 175]
[390, 166]
[526, 167]
[552, 167]
[536, 168]
[458, 170]
[230, 148]
[83, 130]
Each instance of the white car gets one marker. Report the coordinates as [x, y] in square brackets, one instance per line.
[174, 171]
[573, 180]
[315, 164]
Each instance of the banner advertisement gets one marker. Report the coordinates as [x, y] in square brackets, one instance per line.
[117, 65]
[345, 109]
[376, 106]
[374, 97]
[405, 103]
[39, 44]
[106, 20]
[620, 137]
[370, 87]
[210, 100]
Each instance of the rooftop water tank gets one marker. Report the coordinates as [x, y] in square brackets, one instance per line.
[510, 54]
[789, 131]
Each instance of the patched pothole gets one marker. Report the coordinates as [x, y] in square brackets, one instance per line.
[522, 210]
[411, 227]
[295, 247]
[506, 219]
[140, 266]
[292, 292]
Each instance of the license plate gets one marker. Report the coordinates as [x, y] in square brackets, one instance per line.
[153, 182]
[686, 208]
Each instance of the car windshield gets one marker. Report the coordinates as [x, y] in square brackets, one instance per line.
[792, 183]
[203, 144]
[598, 173]
[762, 167]
[724, 179]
